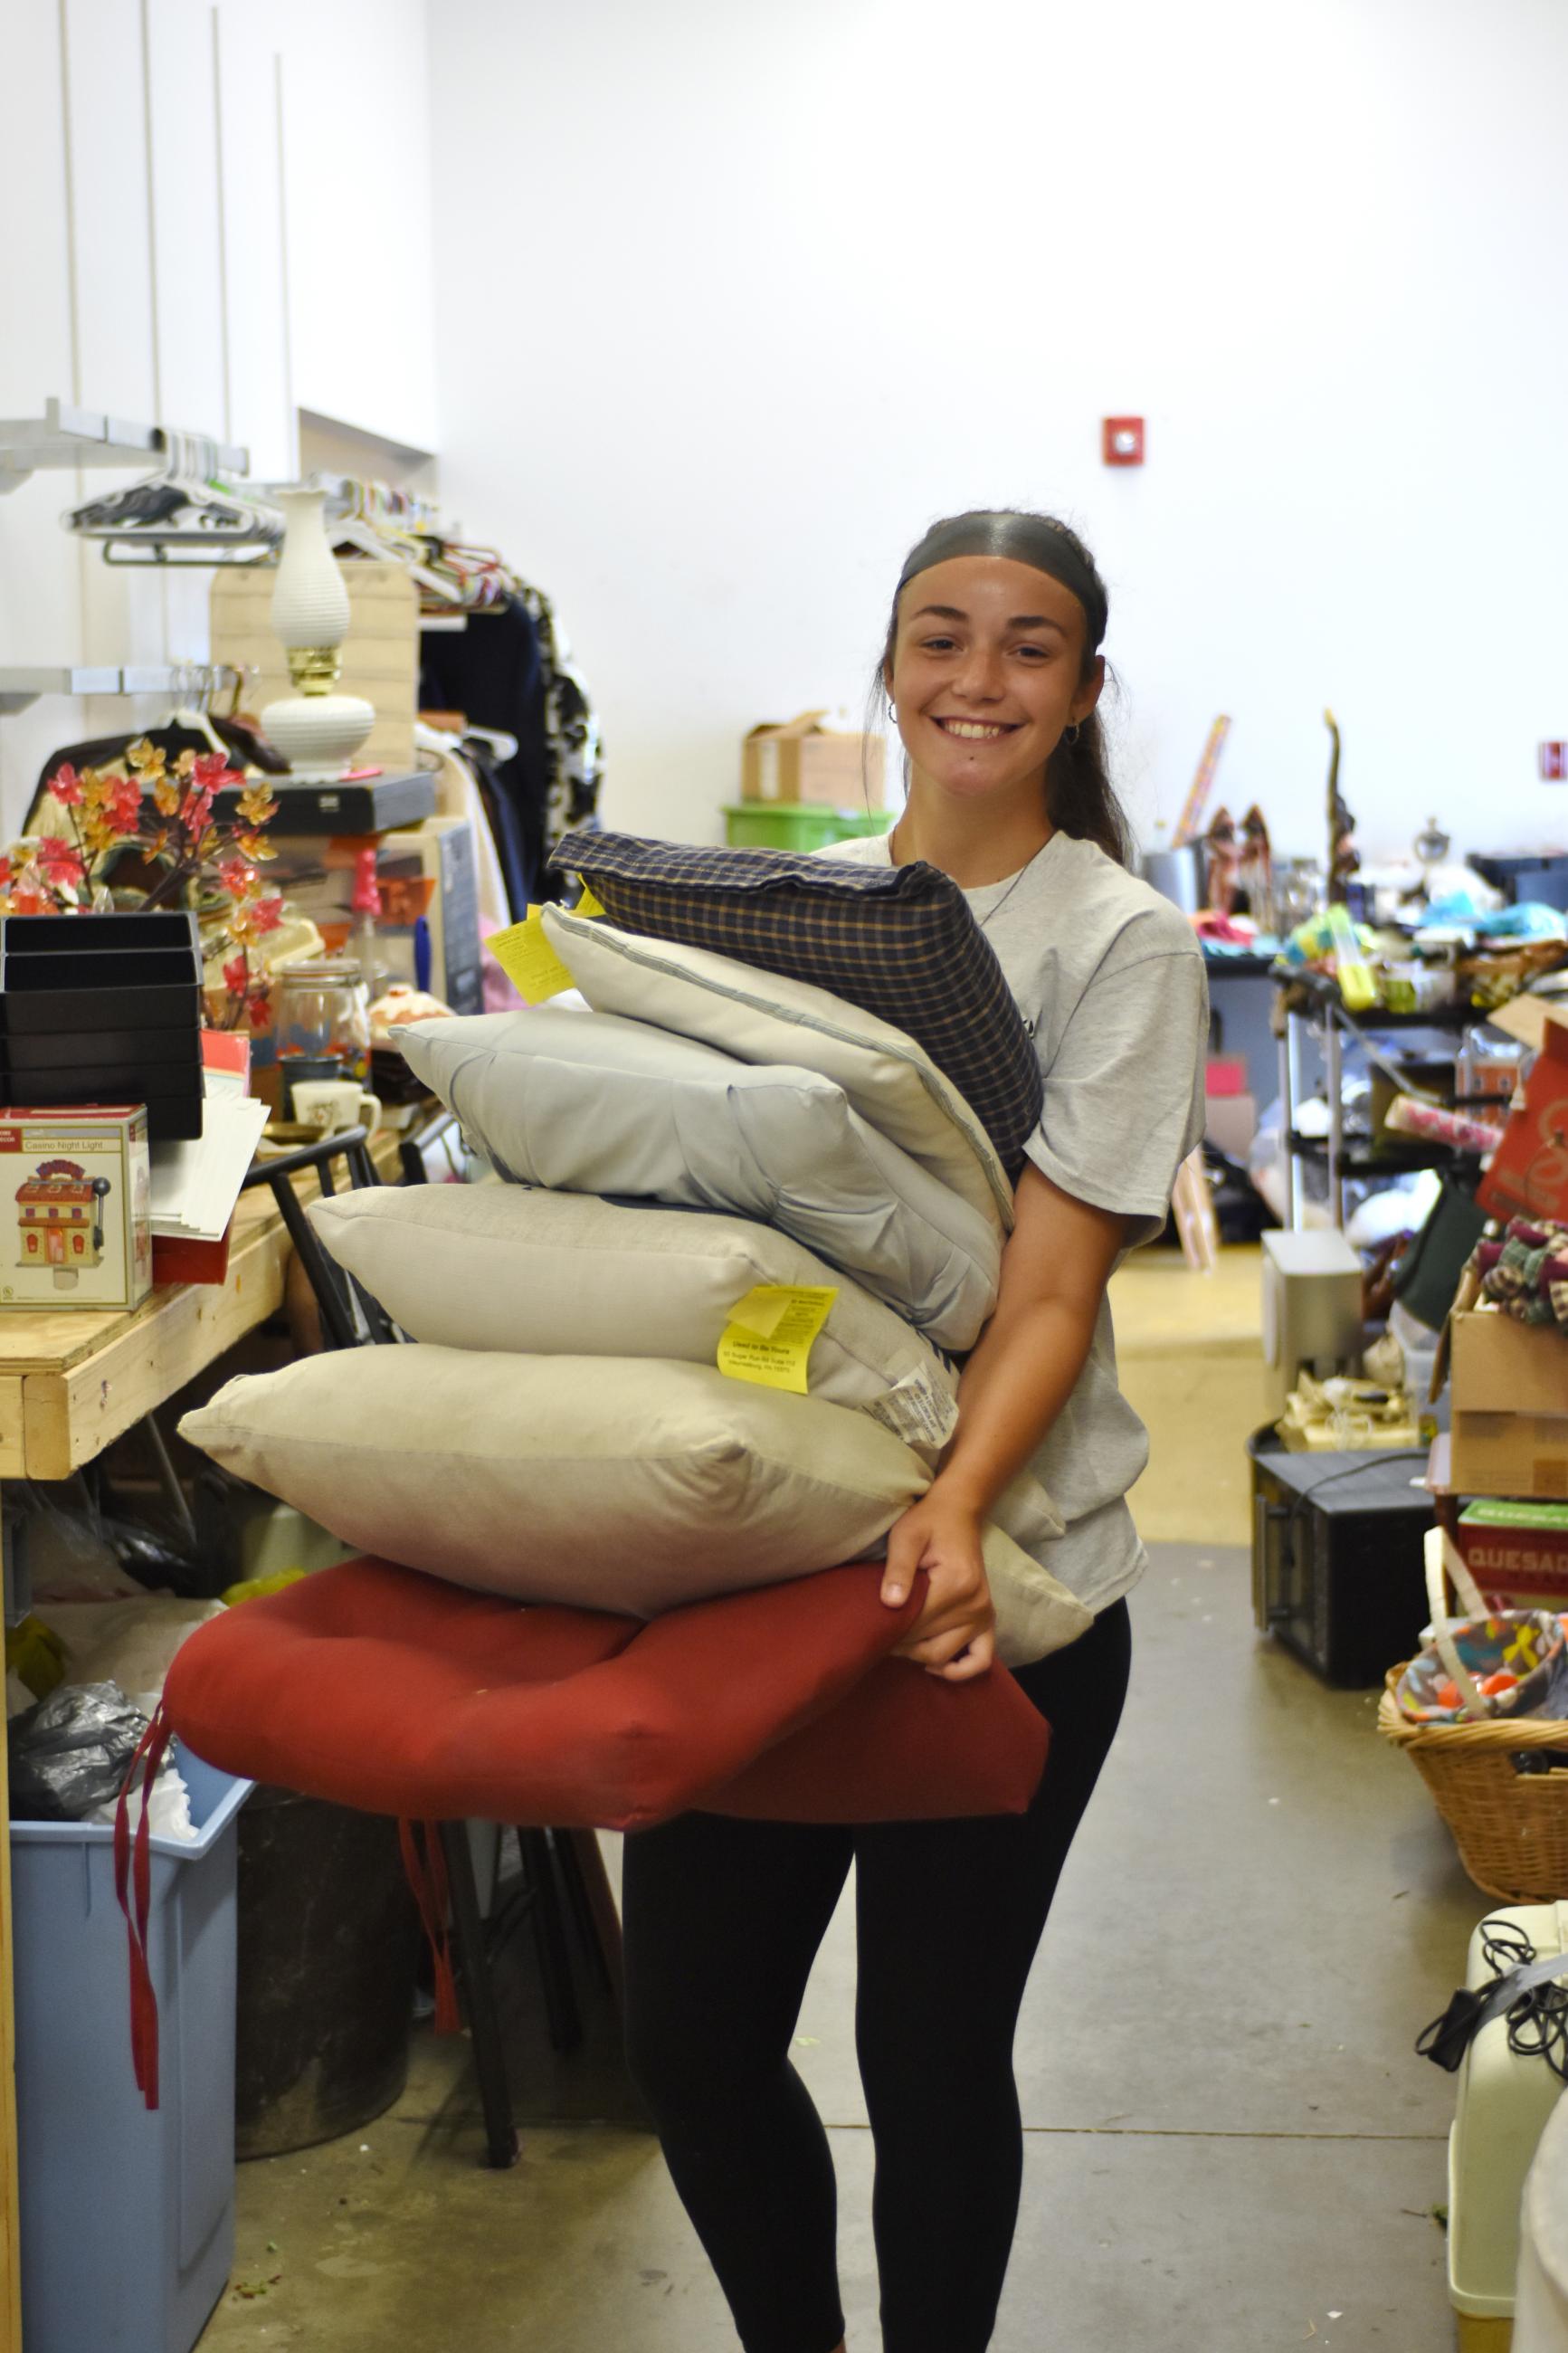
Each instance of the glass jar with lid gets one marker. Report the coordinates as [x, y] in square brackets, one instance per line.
[321, 1012]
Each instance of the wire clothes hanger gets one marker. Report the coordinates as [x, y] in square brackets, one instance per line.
[385, 523]
[401, 527]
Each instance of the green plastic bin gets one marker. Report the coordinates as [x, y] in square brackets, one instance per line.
[792, 825]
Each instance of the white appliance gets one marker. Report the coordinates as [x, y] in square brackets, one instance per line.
[1311, 1310]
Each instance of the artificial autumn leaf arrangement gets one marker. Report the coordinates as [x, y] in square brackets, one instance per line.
[166, 815]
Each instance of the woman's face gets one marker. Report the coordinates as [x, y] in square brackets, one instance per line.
[987, 670]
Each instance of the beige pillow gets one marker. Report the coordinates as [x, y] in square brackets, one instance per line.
[542, 1274]
[594, 1103]
[763, 1016]
[606, 1483]
[513, 1267]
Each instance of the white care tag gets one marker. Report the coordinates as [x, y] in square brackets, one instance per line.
[918, 1410]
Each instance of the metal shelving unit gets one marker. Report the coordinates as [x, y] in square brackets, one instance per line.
[71, 437]
[68, 437]
[1348, 1153]
[185, 681]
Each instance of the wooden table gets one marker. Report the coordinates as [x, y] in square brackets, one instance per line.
[71, 1384]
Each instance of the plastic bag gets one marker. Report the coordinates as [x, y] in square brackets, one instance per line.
[72, 1752]
[130, 1643]
[168, 1807]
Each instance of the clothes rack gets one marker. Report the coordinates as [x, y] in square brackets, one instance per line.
[68, 436]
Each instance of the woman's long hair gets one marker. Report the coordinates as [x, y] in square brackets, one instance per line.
[1081, 799]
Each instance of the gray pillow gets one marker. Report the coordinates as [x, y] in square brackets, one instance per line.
[591, 1102]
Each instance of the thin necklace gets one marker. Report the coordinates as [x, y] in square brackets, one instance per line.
[1006, 894]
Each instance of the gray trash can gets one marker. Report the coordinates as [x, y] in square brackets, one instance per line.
[127, 2213]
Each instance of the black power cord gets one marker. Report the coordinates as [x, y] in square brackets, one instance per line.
[1537, 2013]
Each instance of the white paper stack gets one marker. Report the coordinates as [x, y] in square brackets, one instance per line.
[196, 1184]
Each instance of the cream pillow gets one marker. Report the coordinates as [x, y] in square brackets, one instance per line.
[763, 1016]
[605, 1482]
[590, 1103]
[542, 1274]
[510, 1267]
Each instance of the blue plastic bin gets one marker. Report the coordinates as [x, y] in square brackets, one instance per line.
[127, 2213]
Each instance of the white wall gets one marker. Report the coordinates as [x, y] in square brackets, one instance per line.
[214, 216]
[758, 291]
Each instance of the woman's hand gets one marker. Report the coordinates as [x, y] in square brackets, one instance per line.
[952, 1637]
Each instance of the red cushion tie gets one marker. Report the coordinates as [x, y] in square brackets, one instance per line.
[427, 1875]
[134, 1894]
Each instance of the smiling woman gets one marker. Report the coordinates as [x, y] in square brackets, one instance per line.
[994, 643]
[992, 658]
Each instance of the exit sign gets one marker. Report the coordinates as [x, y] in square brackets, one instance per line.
[1554, 763]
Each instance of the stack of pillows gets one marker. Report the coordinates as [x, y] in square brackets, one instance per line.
[786, 1072]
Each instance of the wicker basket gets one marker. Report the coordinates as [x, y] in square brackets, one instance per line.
[1510, 1828]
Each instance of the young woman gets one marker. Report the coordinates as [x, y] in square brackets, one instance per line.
[992, 664]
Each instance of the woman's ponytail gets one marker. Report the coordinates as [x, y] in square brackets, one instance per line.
[1081, 799]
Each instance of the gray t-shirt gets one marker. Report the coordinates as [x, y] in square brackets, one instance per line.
[1109, 979]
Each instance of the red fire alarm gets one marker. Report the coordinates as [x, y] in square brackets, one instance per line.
[1122, 440]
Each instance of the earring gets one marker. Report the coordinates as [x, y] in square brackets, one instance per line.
[1071, 733]
[891, 712]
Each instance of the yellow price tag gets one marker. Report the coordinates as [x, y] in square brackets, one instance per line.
[529, 961]
[768, 1337]
[587, 904]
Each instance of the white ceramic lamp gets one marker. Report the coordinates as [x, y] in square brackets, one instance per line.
[317, 731]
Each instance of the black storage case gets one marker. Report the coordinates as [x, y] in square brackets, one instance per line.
[373, 805]
[167, 1048]
[81, 1012]
[104, 1010]
[1338, 1564]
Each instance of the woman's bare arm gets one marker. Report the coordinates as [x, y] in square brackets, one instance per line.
[1054, 1272]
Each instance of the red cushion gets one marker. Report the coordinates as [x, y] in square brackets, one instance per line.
[378, 1688]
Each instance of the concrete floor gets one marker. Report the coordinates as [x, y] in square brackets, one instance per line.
[1230, 2144]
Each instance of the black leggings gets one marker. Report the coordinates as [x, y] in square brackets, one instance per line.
[722, 1920]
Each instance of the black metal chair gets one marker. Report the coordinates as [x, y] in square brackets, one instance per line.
[562, 1869]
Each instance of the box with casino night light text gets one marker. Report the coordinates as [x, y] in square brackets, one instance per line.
[75, 1207]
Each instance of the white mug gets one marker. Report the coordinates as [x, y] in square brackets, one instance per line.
[330, 1104]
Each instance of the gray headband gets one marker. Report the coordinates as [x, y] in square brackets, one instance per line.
[1029, 539]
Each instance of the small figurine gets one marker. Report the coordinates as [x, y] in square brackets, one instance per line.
[1222, 863]
[1344, 858]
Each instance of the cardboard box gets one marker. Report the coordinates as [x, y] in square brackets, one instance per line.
[380, 653]
[1516, 1550]
[1510, 1406]
[803, 761]
[75, 1207]
[1526, 1016]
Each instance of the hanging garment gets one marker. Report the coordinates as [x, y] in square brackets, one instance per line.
[510, 669]
[518, 846]
[459, 793]
[572, 732]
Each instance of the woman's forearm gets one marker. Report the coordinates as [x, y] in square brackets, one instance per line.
[1014, 1385]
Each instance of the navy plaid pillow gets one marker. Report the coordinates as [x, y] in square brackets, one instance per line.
[897, 940]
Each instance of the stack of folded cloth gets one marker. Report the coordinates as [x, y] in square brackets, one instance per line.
[779, 1138]
[1525, 1271]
